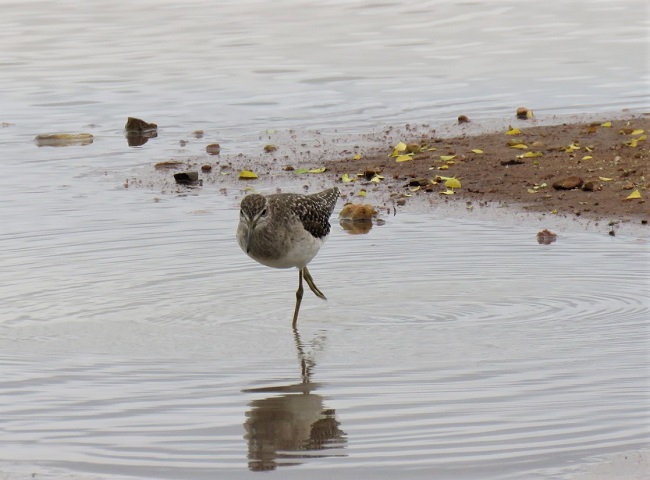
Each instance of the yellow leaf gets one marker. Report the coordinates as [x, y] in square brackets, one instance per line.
[605, 179]
[317, 170]
[520, 146]
[587, 157]
[641, 138]
[404, 158]
[347, 178]
[452, 183]
[447, 192]
[572, 147]
[606, 124]
[362, 193]
[477, 151]
[638, 131]
[633, 195]
[444, 167]
[357, 156]
[532, 190]
[529, 114]
[554, 211]
[247, 175]
[530, 155]
[446, 158]
[414, 189]
[400, 147]
[632, 143]
[431, 149]
[589, 149]
[513, 131]
[377, 178]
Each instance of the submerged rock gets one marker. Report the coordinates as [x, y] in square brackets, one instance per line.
[63, 139]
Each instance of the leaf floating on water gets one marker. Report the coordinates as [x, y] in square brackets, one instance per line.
[346, 178]
[447, 192]
[635, 194]
[477, 151]
[606, 124]
[513, 131]
[443, 167]
[317, 170]
[638, 131]
[452, 183]
[520, 146]
[446, 158]
[403, 158]
[632, 143]
[605, 179]
[300, 171]
[587, 157]
[247, 175]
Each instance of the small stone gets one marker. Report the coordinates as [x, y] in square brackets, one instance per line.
[186, 178]
[357, 212]
[137, 125]
[522, 113]
[418, 182]
[413, 148]
[592, 186]
[546, 237]
[463, 119]
[213, 149]
[568, 183]
[270, 148]
[206, 168]
[198, 133]
[627, 185]
[168, 165]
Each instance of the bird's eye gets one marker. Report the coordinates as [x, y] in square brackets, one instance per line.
[264, 212]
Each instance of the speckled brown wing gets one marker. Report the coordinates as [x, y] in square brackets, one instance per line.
[314, 211]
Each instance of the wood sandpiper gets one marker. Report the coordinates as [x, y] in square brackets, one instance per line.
[286, 230]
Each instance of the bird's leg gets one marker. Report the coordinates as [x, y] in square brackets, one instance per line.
[312, 285]
[298, 299]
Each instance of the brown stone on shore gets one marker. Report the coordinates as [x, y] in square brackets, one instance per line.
[568, 183]
[592, 186]
[463, 119]
[206, 168]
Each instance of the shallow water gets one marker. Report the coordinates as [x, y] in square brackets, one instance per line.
[138, 341]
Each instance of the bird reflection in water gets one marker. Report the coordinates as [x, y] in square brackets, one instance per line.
[293, 426]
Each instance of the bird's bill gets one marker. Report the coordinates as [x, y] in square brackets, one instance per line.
[249, 238]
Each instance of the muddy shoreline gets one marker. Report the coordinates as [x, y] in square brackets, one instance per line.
[509, 162]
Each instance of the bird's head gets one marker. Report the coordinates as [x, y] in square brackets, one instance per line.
[254, 212]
